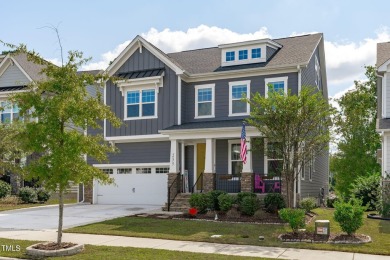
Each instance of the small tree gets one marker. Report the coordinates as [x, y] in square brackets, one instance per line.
[349, 215]
[63, 109]
[299, 124]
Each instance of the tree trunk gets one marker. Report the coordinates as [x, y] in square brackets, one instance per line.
[15, 183]
[61, 215]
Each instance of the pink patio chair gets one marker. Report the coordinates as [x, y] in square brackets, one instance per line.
[276, 187]
[259, 184]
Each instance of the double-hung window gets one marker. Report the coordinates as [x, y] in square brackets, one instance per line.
[274, 159]
[141, 104]
[8, 112]
[243, 54]
[230, 56]
[235, 162]
[276, 84]
[256, 53]
[204, 101]
[238, 90]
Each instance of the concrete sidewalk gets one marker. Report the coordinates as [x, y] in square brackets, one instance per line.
[189, 246]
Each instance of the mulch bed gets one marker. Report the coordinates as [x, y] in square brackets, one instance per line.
[233, 215]
[53, 246]
[333, 238]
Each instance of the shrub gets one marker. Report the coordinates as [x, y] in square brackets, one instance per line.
[367, 189]
[249, 205]
[383, 204]
[199, 201]
[294, 217]
[308, 204]
[5, 189]
[42, 195]
[330, 201]
[28, 195]
[212, 197]
[274, 202]
[225, 202]
[241, 195]
[349, 215]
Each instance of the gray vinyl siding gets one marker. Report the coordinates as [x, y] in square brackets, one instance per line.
[379, 95]
[189, 164]
[270, 52]
[13, 77]
[184, 88]
[387, 93]
[222, 95]
[308, 74]
[320, 177]
[167, 98]
[143, 152]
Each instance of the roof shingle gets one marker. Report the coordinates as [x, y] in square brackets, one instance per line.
[382, 53]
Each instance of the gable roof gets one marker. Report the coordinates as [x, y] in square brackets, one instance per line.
[295, 51]
[382, 53]
[29, 68]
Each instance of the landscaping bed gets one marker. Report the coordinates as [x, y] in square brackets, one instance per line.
[311, 237]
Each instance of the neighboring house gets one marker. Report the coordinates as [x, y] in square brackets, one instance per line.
[383, 93]
[183, 113]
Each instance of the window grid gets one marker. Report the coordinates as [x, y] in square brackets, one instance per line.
[274, 159]
[230, 56]
[141, 103]
[9, 112]
[108, 171]
[277, 86]
[238, 92]
[204, 102]
[143, 171]
[124, 171]
[243, 54]
[162, 170]
[235, 159]
[256, 53]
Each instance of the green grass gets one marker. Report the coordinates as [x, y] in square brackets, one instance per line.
[242, 234]
[109, 252]
[18, 205]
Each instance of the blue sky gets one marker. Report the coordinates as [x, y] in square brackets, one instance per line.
[101, 29]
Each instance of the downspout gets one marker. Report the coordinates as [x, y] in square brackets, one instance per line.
[299, 78]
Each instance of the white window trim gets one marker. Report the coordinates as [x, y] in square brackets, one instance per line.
[230, 142]
[248, 90]
[266, 159]
[197, 87]
[254, 48]
[11, 113]
[271, 80]
[247, 54]
[140, 103]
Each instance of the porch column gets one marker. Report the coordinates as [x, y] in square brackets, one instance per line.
[174, 157]
[247, 178]
[209, 157]
[247, 167]
[209, 174]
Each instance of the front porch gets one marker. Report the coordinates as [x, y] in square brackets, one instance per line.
[203, 165]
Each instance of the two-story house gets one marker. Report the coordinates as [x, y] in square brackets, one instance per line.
[383, 94]
[183, 114]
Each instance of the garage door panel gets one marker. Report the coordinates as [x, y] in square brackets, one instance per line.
[134, 189]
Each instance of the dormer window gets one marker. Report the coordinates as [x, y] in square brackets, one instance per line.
[256, 53]
[243, 54]
[230, 56]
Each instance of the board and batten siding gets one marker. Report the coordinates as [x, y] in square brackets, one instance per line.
[167, 98]
[12, 77]
[222, 95]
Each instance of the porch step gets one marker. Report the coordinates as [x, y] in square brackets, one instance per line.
[180, 204]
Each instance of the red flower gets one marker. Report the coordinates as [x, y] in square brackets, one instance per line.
[192, 211]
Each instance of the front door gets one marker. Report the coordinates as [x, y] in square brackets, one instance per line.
[200, 161]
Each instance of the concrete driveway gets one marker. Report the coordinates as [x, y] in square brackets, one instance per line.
[46, 218]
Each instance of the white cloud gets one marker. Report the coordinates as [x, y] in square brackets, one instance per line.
[55, 61]
[173, 41]
[345, 60]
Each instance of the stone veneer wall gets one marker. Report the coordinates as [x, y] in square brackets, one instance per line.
[247, 182]
[208, 181]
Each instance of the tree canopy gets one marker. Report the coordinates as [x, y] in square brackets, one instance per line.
[299, 124]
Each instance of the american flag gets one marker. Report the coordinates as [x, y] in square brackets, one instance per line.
[243, 144]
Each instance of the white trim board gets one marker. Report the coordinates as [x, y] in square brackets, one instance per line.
[128, 165]
[137, 138]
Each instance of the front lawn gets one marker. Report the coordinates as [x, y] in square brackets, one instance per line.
[242, 234]
[109, 252]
